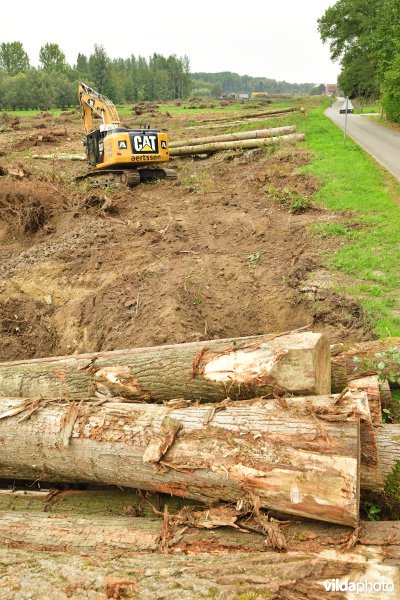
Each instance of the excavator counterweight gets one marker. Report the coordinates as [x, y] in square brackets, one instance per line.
[116, 153]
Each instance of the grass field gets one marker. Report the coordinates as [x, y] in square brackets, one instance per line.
[355, 184]
[182, 109]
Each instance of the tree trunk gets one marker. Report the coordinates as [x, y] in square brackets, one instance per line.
[344, 368]
[202, 371]
[236, 145]
[276, 450]
[240, 135]
[293, 575]
[74, 534]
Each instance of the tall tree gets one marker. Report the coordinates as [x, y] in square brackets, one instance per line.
[82, 65]
[365, 36]
[52, 58]
[99, 70]
[13, 58]
[349, 24]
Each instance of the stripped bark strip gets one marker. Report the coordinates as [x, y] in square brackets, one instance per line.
[275, 537]
[197, 360]
[370, 385]
[162, 440]
[69, 423]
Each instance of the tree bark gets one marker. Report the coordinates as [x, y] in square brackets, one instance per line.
[240, 135]
[236, 145]
[298, 363]
[388, 437]
[280, 452]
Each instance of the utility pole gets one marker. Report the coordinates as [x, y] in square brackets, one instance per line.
[345, 121]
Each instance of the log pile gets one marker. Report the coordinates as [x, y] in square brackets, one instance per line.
[213, 434]
[236, 141]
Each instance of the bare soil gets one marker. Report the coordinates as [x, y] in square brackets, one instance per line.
[218, 253]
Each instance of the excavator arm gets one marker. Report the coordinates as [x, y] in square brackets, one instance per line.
[91, 101]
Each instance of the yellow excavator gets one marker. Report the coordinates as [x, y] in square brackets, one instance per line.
[117, 154]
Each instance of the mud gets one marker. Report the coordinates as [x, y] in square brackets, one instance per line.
[218, 253]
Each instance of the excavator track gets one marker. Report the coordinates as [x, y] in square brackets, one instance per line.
[110, 176]
[131, 178]
[157, 173]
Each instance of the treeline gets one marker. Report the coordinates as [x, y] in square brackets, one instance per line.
[364, 35]
[54, 83]
[215, 84]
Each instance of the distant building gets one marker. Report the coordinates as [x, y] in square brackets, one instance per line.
[244, 96]
[331, 89]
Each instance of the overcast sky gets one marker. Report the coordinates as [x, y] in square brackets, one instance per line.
[269, 38]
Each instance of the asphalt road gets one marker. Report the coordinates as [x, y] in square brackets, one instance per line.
[381, 142]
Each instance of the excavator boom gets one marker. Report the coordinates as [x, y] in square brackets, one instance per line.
[91, 101]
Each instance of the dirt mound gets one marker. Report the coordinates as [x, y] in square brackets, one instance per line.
[39, 139]
[26, 205]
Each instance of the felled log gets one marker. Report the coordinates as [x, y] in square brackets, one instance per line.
[240, 135]
[226, 124]
[105, 535]
[293, 575]
[236, 145]
[345, 368]
[210, 370]
[265, 113]
[287, 457]
[96, 501]
[59, 156]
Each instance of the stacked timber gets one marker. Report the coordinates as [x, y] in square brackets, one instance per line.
[236, 141]
[240, 135]
[223, 430]
[216, 418]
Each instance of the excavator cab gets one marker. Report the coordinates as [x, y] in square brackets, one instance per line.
[116, 153]
[94, 147]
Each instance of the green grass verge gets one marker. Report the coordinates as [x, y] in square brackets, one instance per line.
[353, 181]
[368, 108]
